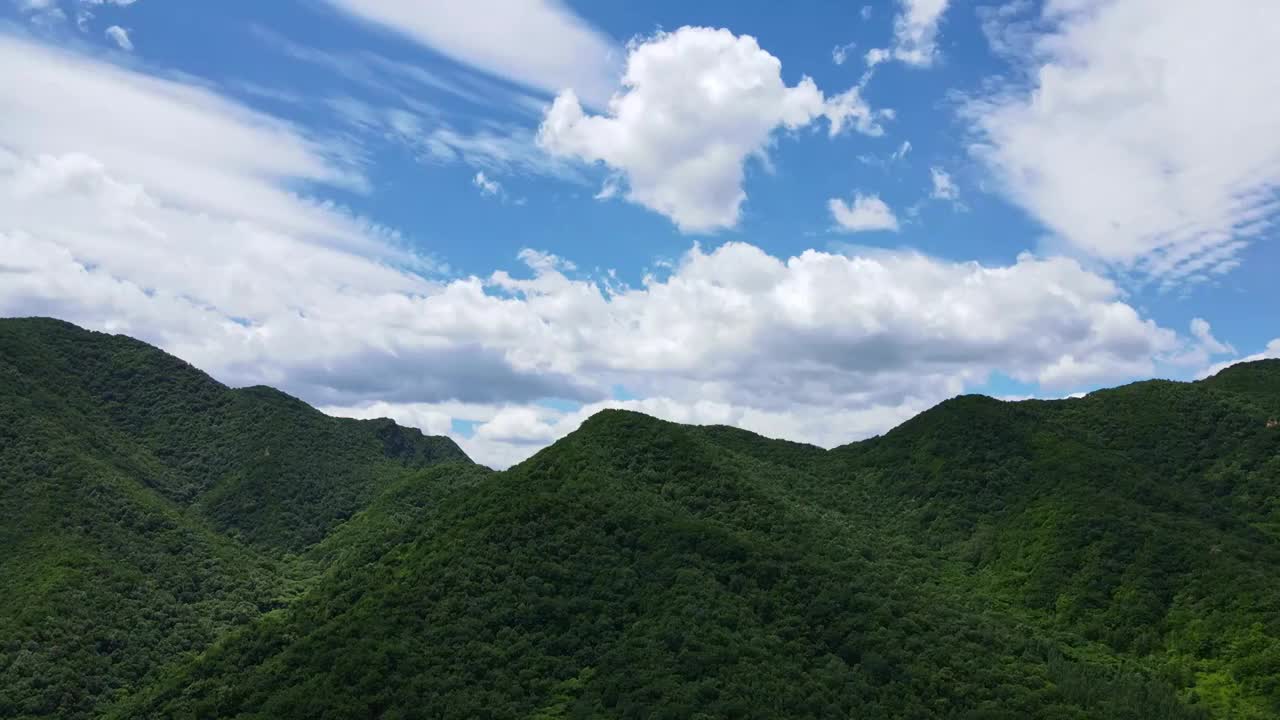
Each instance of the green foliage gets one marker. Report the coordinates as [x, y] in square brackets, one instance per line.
[643, 569]
[254, 461]
[1115, 556]
[147, 509]
[1143, 518]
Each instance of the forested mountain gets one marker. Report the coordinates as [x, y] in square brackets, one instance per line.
[1115, 556]
[253, 461]
[147, 508]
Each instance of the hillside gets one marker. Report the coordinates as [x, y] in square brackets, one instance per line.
[1115, 556]
[147, 508]
[987, 559]
[253, 461]
[1143, 518]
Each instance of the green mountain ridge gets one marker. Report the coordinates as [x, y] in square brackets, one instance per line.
[149, 509]
[1113, 556]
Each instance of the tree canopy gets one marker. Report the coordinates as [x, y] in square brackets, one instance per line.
[183, 550]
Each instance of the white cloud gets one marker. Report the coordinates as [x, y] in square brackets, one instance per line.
[205, 249]
[915, 34]
[120, 37]
[1144, 135]
[142, 131]
[840, 53]
[849, 109]
[902, 150]
[1199, 350]
[865, 12]
[820, 347]
[538, 43]
[696, 104]
[124, 222]
[1203, 333]
[866, 212]
[944, 188]
[487, 186]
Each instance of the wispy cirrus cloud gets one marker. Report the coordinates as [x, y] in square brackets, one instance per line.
[915, 34]
[541, 44]
[1140, 133]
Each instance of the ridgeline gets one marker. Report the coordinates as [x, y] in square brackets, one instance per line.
[173, 548]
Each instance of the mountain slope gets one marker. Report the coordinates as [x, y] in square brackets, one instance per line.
[253, 461]
[643, 569]
[146, 508]
[1143, 518]
[1115, 556]
[104, 580]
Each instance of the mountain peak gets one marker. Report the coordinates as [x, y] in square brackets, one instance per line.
[252, 459]
[1258, 379]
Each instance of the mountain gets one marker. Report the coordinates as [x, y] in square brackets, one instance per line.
[1113, 556]
[252, 461]
[148, 508]
[1144, 518]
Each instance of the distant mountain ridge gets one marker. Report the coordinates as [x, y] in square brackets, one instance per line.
[1115, 556]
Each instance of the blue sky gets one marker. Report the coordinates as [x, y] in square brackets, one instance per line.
[493, 218]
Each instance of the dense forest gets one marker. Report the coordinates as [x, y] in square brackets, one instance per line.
[148, 509]
[172, 548]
